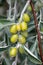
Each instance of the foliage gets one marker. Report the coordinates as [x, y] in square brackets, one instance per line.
[31, 55]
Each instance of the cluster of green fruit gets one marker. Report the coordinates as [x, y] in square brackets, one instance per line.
[21, 27]
[13, 51]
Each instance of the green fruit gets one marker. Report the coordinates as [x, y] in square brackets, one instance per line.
[13, 52]
[18, 27]
[21, 50]
[24, 26]
[14, 38]
[26, 17]
[25, 33]
[13, 29]
[29, 8]
[22, 39]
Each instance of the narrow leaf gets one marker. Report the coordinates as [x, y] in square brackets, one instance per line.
[7, 61]
[31, 28]
[32, 57]
[3, 48]
[33, 47]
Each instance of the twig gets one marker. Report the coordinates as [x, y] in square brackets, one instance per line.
[40, 17]
[26, 60]
[9, 11]
[16, 59]
[0, 61]
[15, 11]
[40, 20]
[36, 25]
[7, 25]
[24, 10]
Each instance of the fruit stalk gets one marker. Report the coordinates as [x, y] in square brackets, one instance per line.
[36, 25]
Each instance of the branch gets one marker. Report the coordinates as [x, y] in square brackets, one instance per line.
[15, 11]
[24, 10]
[9, 11]
[26, 57]
[36, 25]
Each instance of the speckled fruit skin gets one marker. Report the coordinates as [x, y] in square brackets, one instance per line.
[14, 38]
[21, 50]
[22, 39]
[26, 17]
[13, 52]
[13, 29]
[25, 33]
[29, 8]
[18, 27]
[24, 26]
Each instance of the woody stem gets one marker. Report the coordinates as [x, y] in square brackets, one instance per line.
[37, 29]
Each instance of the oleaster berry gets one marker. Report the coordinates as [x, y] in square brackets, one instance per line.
[29, 8]
[24, 26]
[14, 38]
[18, 27]
[22, 39]
[13, 29]
[25, 33]
[21, 50]
[13, 52]
[26, 17]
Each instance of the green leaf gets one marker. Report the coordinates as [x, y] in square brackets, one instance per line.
[3, 21]
[8, 62]
[31, 39]
[32, 57]
[31, 28]
[6, 25]
[3, 17]
[3, 48]
[33, 47]
[1, 25]
[31, 23]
